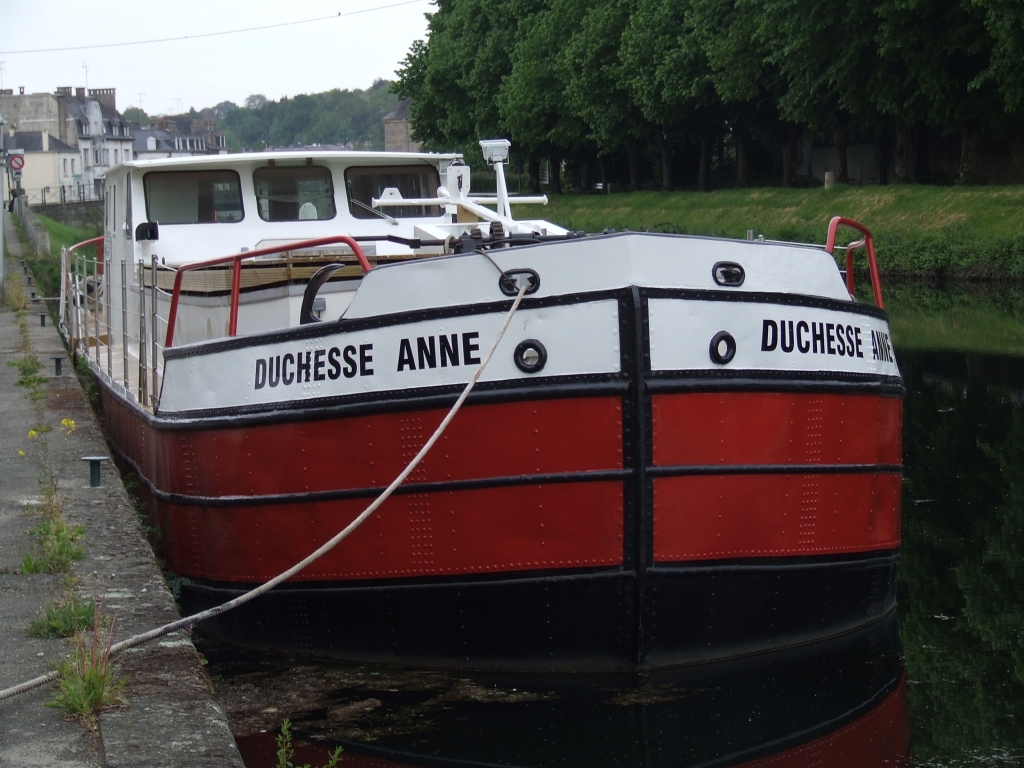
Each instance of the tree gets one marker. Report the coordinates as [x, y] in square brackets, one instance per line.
[136, 115]
[824, 53]
[668, 75]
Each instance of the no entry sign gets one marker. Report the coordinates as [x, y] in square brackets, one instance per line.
[16, 162]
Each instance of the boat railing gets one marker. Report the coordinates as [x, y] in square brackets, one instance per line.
[235, 260]
[117, 336]
[868, 243]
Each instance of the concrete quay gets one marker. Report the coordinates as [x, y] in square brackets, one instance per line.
[171, 717]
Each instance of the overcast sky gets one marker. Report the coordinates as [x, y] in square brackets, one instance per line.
[347, 52]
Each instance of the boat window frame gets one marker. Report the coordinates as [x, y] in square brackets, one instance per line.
[238, 179]
[362, 215]
[275, 167]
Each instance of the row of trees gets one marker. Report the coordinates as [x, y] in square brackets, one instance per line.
[333, 117]
[592, 83]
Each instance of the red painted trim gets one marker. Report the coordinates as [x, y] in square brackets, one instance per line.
[493, 530]
[714, 517]
[869, 241]
[236, 261]
[879, 738]
[519, 438]
[776, 428]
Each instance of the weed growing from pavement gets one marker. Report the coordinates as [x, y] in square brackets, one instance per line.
[87, 680]
[56, 546]
[285, 752]
[14, 295]
[69, 614]
[29, 366]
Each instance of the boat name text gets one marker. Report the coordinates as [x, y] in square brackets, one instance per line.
[823, 339]
[351, 361]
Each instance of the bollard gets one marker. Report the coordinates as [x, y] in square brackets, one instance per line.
[57, 361]
[94, 469]
[24, 269]
[33, 294]
[22, 263]
[28, 278]
[42, 319]
[750, 234]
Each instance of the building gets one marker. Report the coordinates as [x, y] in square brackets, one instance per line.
[85, 120]
[398, 130]
[51, 166]
[188, 135]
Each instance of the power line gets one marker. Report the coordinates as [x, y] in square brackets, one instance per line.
[210, 34]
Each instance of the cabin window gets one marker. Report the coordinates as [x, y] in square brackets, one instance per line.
[294, 193]
[193, 197]
[364, 184]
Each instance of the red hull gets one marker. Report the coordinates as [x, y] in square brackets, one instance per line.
[242, 514]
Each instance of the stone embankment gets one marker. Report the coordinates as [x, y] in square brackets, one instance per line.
[170, 717]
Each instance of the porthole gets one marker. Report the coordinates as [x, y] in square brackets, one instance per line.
[728, 274]
[530, 356]
[722, 348]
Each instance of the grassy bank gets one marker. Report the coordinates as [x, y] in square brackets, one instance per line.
[969, 232]
[47, 270]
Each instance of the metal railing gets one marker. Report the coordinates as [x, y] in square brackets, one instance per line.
[236, 275]
[868, 243]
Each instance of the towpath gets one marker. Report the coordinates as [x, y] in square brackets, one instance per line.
[171, 717]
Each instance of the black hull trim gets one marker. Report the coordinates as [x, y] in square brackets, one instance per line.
[691, 614]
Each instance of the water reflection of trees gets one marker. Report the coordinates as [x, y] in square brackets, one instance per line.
[962, 572]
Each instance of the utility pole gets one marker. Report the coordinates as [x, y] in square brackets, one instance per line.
[2, 74]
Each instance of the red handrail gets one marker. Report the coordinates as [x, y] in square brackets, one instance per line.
[99, 250]
[868, 242]
[236, 277]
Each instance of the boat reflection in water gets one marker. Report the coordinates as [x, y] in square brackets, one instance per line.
[837, 703]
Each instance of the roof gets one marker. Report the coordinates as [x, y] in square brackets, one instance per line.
[401, 112]
[32, 141]
[386, 158]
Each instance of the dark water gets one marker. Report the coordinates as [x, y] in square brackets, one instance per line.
[939, 684]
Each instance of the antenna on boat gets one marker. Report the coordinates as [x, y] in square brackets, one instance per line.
[496, 154]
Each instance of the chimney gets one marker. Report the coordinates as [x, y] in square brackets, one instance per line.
[21, 90]
[105, 96]
[80, 93]
[46, 141]
[64, 91]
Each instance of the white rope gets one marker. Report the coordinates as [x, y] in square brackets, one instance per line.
[209, 613]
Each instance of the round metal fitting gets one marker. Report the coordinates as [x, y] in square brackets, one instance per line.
[722, 348]
[728, 274]
[530, 356]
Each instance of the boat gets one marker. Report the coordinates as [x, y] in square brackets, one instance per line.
[683, 449]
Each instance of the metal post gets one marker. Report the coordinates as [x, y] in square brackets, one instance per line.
[106, 312]
[153, 310]
[124, 322]
[96, 304]
[143, 389]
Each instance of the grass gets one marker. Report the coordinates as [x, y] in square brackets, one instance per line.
[14, 295]
[972, 232]
[87, 680]
[56, 546]
[285, 751]
[66, 616]
[47, 268]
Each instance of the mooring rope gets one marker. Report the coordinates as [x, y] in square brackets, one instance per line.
[209, 613]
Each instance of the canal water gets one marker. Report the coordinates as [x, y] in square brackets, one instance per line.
[942, 681]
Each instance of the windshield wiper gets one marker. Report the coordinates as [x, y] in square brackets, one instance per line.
[374, 210]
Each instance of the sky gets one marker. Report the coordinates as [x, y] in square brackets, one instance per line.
[350, 51]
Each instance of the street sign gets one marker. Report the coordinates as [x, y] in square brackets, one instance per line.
[16, 162]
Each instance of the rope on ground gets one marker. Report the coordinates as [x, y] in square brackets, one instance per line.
[187, 621]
